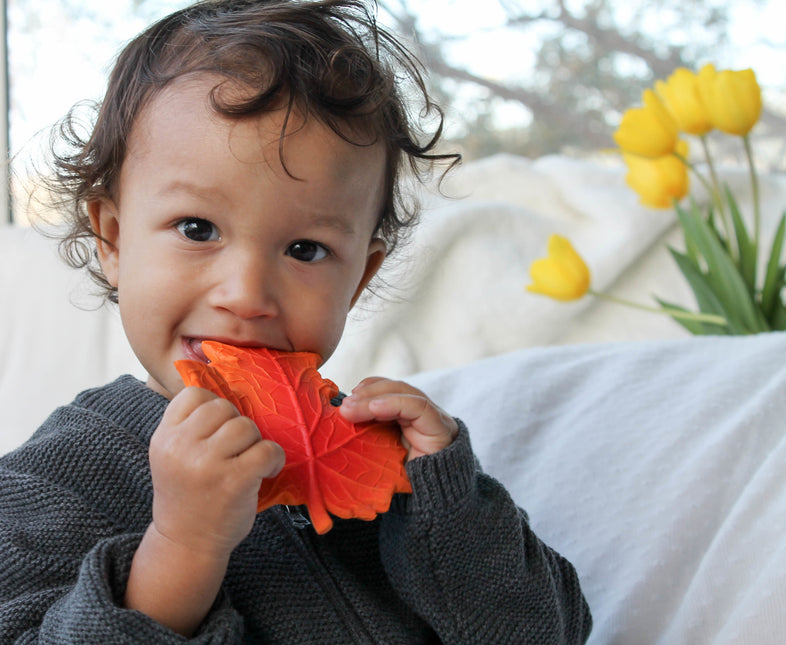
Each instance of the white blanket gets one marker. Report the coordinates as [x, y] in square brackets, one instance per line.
[658, 469]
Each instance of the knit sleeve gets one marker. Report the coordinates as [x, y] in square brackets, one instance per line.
[91, 611]
[463, 556]
[64, 575]
[75, 501]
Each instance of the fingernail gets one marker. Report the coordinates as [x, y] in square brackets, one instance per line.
[374, 403]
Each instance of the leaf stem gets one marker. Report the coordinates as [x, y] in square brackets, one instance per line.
[712, 319]
[754, 190]
[715, 192]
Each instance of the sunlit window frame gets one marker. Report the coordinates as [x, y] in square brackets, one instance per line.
[6, 215]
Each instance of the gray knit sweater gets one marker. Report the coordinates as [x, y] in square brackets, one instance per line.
[454, 562]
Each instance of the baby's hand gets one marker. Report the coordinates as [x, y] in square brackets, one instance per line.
[207, 464]
[425, 428]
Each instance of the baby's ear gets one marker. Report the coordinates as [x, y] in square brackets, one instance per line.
[106, 228]
[376, 256]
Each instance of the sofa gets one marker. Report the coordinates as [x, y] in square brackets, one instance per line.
[653, 460]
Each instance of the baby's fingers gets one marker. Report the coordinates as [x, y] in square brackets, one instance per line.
[185, 403]
[264, 458]
[426, 428]
[234, 437]
[386, 400]
[408, 408]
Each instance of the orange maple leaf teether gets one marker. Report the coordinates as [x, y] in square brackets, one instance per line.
[332, 466]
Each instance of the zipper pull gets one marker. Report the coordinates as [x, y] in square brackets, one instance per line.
[299, 520]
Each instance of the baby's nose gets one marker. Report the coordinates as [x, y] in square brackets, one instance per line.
[247, 288]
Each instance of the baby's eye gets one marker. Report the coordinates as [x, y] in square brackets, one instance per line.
[198, 230]
[307, 251]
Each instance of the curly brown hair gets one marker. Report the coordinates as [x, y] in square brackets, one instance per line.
[327, 58]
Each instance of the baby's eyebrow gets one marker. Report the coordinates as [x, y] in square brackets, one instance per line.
[201, 192]
[335, 221]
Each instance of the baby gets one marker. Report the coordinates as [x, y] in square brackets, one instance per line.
[241, 184]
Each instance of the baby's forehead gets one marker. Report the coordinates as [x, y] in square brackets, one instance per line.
[175, 103]
[182, 145]
[185, 105]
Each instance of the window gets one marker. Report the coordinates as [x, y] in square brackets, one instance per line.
[60, 52]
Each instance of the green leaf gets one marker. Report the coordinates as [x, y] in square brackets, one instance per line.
[712, 223]
[778, 320]
[747, 249]
[691, 249]
[773, 281]
[722, 275]
[705, 296]
[694, 326]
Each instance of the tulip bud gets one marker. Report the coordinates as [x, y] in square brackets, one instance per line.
[681, 97]
[732, 99]
[648, 131]
[562, 275]
[659, 182]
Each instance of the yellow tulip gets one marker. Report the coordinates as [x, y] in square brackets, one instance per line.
[681, 97]
[660, 181]
[732, 98]
[562, 275]
[648, 131]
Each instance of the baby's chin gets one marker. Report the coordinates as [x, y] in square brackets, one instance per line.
[169, 392]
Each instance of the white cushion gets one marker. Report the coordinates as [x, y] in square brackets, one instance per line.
[55, 337]
[658, 468]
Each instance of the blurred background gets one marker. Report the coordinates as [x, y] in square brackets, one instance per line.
[528, 77]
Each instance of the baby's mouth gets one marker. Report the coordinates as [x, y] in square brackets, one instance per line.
[194, 351]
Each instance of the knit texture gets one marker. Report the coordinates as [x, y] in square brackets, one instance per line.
[454, 562]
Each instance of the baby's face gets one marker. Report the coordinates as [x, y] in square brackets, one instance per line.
[210, 238]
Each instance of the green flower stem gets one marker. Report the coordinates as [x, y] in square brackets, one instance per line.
[712, 188]
[716, 188]
[754, 190]
[676, 313]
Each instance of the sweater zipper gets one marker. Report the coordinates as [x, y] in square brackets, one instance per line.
[298, 523]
